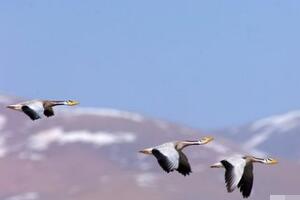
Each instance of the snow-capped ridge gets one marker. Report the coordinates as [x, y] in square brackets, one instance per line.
[218, 147]
[107, 112]
[25, 196]
[283, 122]
[263, 129]
[42, 140]
[257, 139]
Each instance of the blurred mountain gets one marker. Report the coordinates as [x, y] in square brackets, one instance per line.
[277, 135]
[92, 153]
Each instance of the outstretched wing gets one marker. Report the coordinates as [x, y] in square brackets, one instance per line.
[167, 156]
[234, 168]
[31, 113]
[184, 166]
[48, 111]
[246, 182]
[163, 161]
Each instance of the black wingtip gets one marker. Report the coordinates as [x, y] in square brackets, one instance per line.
[184, 174]
[30, 113]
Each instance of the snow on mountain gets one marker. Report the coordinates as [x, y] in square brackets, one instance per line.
[25, 196]
[41, 140]
[107, 112]
[258, 138]
[219, 148]
[281, 123]
[276, 135]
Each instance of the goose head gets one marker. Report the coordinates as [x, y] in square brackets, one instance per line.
[206, 139]
[71, 103]
[270, 161]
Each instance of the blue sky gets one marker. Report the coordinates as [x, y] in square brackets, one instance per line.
[207, 64]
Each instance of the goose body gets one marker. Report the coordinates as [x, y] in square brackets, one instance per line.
[239, 172]
[36, 109]
[170, 156]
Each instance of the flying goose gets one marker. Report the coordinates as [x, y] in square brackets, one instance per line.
[239, 172]
[170, 156]
[35, 109]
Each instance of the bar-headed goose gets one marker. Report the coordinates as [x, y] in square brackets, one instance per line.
[239, 172]
[35, 109]
[170, 156]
